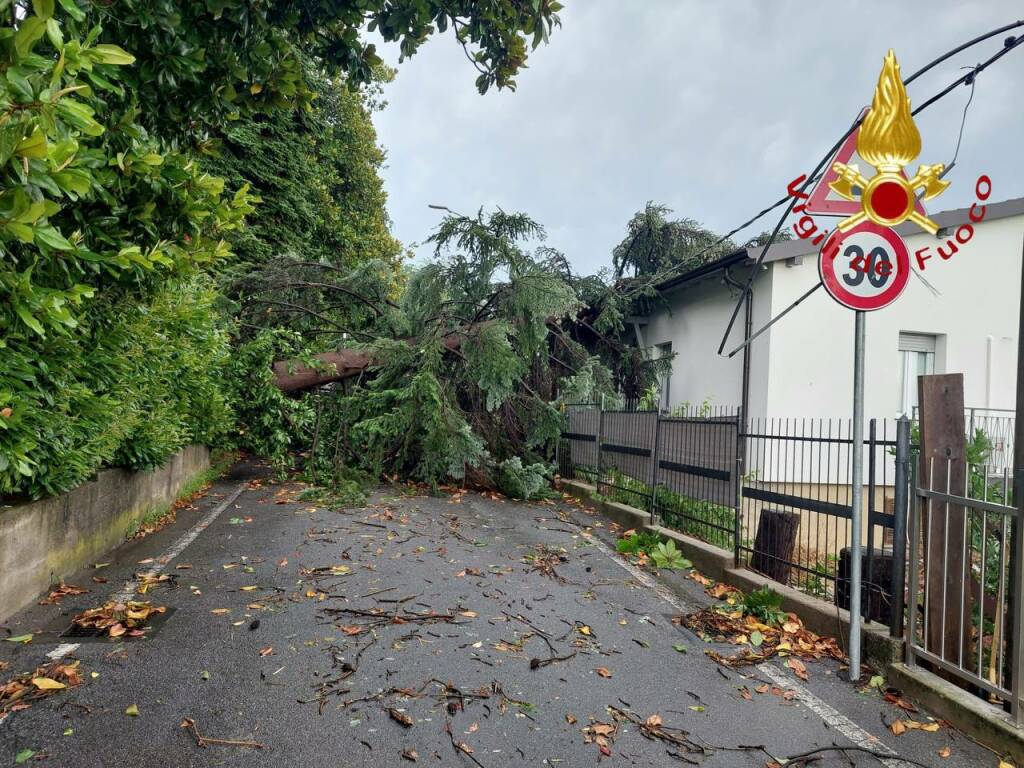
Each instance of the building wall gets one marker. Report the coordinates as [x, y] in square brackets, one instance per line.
[693, 323]
[811, 367]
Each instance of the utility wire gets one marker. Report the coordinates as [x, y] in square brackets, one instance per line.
[1008, 44]
[970, 79]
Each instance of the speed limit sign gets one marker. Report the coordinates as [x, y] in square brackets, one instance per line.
[866, 267]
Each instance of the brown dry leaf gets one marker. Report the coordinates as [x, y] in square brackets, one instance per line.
[719, 591]
[61, 591]
[602, 729]
[700, 578]
[468, 614]
[944, 752]
[400, 717]
[798, 667]
[411, 755]
[898, 728]
[654, 721]
[220, 611]
[266, 651]
[603, 671]
[464, 747]
[353, 630]
[473, 728]
[570, 719]
[763, 688]
[745, 693]
[894, 698]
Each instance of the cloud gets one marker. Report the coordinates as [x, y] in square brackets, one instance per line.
[709, 108]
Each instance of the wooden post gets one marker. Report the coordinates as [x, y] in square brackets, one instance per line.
[943, 468]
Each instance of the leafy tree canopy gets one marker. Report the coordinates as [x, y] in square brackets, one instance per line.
[203, 61]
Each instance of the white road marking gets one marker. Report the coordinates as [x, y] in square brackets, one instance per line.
[62, 650]
[832, 716]
[176, 549]
[826, 712]
[128, 590]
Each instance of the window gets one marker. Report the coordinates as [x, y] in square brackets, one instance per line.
[917, 358]
[664, 350]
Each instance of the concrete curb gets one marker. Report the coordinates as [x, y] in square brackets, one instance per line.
[978, 719]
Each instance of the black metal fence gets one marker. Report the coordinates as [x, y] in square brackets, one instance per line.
[774, 492]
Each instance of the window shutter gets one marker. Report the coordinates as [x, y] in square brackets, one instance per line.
[917, 342]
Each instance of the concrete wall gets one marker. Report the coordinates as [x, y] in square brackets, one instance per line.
[44, 541]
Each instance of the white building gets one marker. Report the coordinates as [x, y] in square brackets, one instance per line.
[802, 366]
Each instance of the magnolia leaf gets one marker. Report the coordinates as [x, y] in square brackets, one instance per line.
[47, 684]
[112, 54]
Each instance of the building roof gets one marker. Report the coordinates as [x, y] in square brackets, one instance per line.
[796, 248]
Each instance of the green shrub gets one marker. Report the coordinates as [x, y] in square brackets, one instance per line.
[635, 543]
[764, 604]
[138, 380]
[522, 482]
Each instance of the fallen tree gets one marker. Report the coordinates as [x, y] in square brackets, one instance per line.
[457, 366]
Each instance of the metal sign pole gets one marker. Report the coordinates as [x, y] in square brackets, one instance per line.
[856, 489]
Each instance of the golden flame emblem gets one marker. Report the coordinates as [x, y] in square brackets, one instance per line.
[889, 140]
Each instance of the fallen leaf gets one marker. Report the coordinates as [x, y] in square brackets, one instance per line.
[603, 671]
[798, 667]
[411, 755]
[464, 747]
[763, 688]
[468, 614]
[898, 728]
[220, 611]
[756, 638]
[679, 648]
[23, 756]
[583, 629]
[570, 719]
[20, 639]
[132, 710]
[654, 721]
[267, 651]
[400, 717]
[47, 684]
[944, 752]
[249, 588]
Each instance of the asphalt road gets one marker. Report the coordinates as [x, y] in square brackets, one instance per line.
[508, 628]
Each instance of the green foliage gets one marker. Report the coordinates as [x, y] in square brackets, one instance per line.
[765, 605]
[668, 557]
[132, 384]
[635, 543]
[316, 172]
[523, 482]
[271, 424]
[233, 58]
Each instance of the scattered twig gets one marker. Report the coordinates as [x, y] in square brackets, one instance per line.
[204, 741]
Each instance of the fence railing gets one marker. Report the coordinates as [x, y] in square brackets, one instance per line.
[997, 427]
[965, 603]
[773, 492]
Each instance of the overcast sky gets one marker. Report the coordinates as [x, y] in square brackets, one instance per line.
[708, 107]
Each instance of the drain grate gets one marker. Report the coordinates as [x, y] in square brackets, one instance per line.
[91, 635]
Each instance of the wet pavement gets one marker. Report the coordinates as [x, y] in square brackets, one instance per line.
[455, 630]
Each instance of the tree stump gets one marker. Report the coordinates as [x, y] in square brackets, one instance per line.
[775, 543]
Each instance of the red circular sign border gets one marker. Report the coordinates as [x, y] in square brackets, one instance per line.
[862, 303]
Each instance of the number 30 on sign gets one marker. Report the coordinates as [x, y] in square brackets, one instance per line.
[866, 267]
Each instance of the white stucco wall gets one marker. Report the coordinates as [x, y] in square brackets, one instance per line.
[694, 324]
[811, 365]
